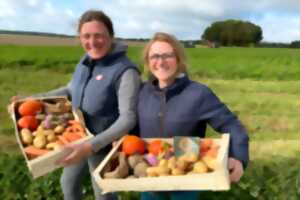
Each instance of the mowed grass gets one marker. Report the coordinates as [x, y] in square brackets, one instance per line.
[260, 85]
[237, 63]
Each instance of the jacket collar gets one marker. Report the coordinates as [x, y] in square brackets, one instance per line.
[179, 84]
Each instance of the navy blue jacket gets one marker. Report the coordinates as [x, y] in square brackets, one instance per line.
[184, 109]
[94, 87]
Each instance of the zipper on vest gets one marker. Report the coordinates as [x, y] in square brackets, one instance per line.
[91, 69]
[162, 112]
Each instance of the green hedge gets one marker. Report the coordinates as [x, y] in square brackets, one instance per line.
[276, 178]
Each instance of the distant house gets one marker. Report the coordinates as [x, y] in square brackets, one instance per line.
[212, 44]
[189, 44]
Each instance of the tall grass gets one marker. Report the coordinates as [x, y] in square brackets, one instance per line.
[260, 85]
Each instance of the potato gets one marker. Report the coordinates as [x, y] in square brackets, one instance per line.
[182, 165]
[209, 161]
[53, 146]
[172, 162]
[140, 169]
[200, 167]
[189, 157]
[59, 129]
[163, 163]
[48, 132]
[134, 159]
[51, 137]
[26, 136]
[38, 133]
[177, 172]
[39, 141]
[158, 171]
[40, 128]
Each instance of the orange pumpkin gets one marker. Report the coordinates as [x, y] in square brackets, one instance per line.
[155, 147]
[133, 144]
[30, 107]
[29, 122]
[205, 144]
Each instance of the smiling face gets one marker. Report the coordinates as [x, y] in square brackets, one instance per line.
[95, 39]
[162, 63]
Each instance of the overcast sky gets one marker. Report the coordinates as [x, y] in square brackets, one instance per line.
[187, 19]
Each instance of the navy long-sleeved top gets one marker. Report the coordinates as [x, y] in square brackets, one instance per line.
[184, 109]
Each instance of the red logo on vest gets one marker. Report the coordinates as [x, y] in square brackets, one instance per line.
[99, 77]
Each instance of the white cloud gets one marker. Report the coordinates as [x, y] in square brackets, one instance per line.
[6, 9]
[283, 28]
[142, 18]
[36, 15]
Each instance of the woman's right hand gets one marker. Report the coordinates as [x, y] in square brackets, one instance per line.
[13, 99]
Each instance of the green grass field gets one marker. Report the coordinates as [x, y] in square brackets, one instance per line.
[260, 85]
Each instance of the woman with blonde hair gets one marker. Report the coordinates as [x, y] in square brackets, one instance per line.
[170, 104]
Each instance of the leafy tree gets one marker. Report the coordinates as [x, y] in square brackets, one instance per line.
[295, 44]
[233, 32]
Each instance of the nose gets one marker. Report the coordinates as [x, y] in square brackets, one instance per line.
[92, 41]
[160, 61]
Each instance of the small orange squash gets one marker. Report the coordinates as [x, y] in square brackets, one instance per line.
[133, 144]
[30, 107]
[29, 122]
[155, 147]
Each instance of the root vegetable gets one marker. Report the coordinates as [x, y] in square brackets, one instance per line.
[53, 146]
[210, 162]
[33, 152]
[157, 171]
[39, 141]
[177, 172]
[172, 162]
[26, 136]
[133, 160]
[51, 137]
[122, 169]
[200, 167]
[140, 169]
[189, 157]
[151, 159]
[182, 165]
[59, 129]
[163, 163]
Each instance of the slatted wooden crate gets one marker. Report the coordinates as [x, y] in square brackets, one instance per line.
[44, 164]
[216, 180]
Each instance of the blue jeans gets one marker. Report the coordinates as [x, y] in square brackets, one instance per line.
[72, 177]
[176, 195]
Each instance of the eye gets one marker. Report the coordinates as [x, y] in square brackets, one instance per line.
[163, 56]
[154, 57]
[100, 35]
[85, 36]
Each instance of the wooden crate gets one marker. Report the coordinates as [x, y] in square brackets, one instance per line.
[42, 165]
[216, 180]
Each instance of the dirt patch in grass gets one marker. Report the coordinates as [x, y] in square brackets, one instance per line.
[37, 40]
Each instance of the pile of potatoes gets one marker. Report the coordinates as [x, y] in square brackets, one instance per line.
[185, 164]
[165, 164]
[42, 138]
[44, 126]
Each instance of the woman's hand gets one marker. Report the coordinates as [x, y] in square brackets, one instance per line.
[77, 152]
[10, 108]
[236, 170]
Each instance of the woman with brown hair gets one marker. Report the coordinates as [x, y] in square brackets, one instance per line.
[104, 87]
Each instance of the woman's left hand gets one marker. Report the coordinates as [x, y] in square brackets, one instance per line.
[236, 170]
[77, 152]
